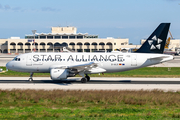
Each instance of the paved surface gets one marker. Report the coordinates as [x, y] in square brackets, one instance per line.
[96, 83]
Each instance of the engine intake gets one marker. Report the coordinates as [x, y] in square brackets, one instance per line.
[58, 74]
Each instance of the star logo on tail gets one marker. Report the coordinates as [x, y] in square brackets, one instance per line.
[155, 46]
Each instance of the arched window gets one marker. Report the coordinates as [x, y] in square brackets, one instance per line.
[42, 45]
[86, 43]
[94, 43]
[72, 46]
[12, 45]
[101, 43]
[79, 49]
[109, 46]
[101, 46]
[57, 47]
[49, 47]
[20, 47]
[57, 44]
[50, 44]
[36, 46]
[64, 44]
[86, 46]
[72, 43]
[27, 43]
[27, 47]
[79, 43]
[109, 43]
[20, 43]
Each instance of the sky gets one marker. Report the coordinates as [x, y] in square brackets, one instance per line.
[132, 19]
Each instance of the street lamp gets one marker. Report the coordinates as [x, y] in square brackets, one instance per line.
[34, 32]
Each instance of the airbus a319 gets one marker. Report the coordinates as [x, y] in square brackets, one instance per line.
[62, 65]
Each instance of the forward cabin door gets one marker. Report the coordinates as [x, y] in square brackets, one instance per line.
[133, 60]
[29, 60]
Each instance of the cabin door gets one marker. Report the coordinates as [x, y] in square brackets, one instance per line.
[29, 60]
[133, 60]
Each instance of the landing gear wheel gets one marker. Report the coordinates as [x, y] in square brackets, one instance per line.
[87, 77]
[30, 79]
[84, 80]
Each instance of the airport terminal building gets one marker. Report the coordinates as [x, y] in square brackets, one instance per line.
[58, 38]
[68, 37]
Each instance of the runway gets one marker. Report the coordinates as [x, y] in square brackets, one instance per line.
[96, 83]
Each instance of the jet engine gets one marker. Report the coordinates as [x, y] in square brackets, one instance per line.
[58, 74]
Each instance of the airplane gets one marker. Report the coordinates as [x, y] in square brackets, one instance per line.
[62, 65]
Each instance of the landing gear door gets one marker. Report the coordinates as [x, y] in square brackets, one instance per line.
[133, 60]
[29, 60]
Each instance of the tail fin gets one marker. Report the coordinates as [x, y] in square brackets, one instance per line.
[157, 40]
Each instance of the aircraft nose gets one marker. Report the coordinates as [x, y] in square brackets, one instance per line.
[9, 65]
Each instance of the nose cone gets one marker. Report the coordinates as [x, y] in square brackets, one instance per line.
[9, 65]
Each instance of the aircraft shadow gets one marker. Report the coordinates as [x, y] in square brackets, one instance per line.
[74, 81]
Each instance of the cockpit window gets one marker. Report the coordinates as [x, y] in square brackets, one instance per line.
[16, 59]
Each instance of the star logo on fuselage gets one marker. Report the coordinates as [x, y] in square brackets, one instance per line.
[157, 43]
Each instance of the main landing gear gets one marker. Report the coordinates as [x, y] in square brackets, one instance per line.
[85, 79]
[31, 75]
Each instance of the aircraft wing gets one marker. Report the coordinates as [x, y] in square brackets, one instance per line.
[90, 67]
[84, 67]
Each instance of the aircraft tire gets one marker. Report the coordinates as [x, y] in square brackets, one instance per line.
[30, 79]
[88, 78]
[83, 80]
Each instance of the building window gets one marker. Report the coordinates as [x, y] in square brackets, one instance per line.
[71, 37]
[79, 37]
[114, 43]
[122, 43]
[49, 37]
[57, 37]
[42, 37]
[64, 37]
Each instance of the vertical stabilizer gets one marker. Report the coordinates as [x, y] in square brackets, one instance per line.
[156, 41]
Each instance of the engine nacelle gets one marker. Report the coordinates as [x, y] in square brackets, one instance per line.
[58, 74]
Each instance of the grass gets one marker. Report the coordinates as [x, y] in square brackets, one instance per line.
[142, 72]
[59, 104]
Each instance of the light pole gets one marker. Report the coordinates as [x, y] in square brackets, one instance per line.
[34, 32]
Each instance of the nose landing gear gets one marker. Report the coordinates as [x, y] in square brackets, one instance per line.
[31, 75]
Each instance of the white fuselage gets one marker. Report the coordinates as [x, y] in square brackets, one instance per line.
[109, 62]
